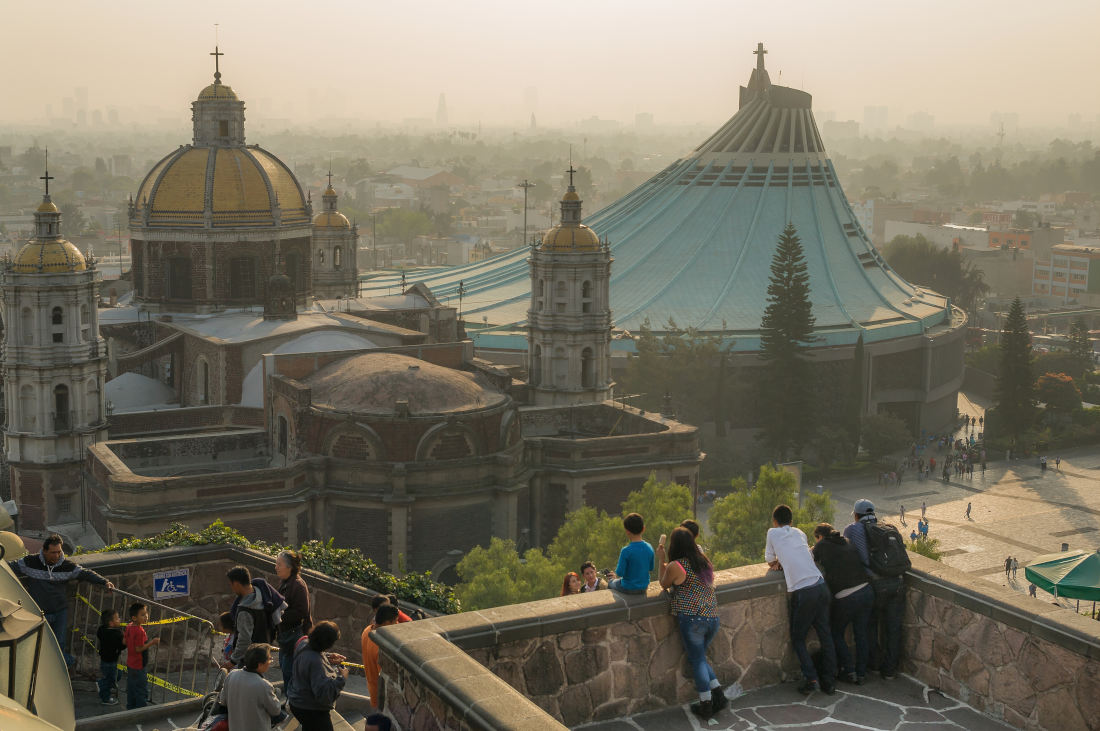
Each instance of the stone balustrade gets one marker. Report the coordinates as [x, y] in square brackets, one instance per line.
[563, 662]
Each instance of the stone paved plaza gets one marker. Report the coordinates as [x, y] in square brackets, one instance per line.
[902, 704]
[1018, 509]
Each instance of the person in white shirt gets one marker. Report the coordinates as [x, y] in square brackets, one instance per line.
[788, 550]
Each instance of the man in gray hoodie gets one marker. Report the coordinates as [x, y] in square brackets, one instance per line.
[256, 611]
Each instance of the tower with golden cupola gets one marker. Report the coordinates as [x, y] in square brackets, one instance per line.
[214, 220]
[54, 368]
[335, 245]
[569, 320]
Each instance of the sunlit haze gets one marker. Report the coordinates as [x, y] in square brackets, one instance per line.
[499, 62]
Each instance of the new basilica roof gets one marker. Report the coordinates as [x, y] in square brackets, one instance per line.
[695, 242]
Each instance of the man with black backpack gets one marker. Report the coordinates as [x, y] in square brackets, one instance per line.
[256, 612]
[882, 550]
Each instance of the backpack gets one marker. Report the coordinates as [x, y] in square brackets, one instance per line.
[886, 549]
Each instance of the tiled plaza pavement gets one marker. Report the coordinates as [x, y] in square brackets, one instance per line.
[902, 704]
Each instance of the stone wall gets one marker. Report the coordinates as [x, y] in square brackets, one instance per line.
[1026, 661]
[599, 656]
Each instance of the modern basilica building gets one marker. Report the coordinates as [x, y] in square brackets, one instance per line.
[695, 243]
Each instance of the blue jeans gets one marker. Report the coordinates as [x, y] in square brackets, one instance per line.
[854, 609]
[697, 633]
[59, 623]
[616, 584]
[137, 689]
[809, 607]
[108, 679]
[286, 663]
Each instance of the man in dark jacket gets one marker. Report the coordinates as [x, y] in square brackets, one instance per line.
[257, 611]
[45, 575]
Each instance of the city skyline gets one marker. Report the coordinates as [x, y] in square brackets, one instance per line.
[613, 61]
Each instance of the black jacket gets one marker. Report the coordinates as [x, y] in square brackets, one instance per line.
[840, 563]
[46, 584]
[110, 643]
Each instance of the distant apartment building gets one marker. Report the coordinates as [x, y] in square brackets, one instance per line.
[1010, 238]
[1071, 274]
[945, 235]
[873, 214]
[1042, 208]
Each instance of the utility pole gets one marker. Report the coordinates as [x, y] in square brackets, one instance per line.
[374, 237]
[526, 186]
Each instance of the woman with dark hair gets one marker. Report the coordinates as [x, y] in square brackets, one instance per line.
[296, 617]
[853, 599]
[689, 575]
[571, 584]
[316, 681]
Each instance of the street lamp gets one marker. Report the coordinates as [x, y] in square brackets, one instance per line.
[526, 186]
[20, 647]
[374, 237]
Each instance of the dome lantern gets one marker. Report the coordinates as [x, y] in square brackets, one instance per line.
[218, 115]
[571, 234]
[48, 252]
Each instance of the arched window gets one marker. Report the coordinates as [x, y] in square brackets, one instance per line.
[58, 316]
[27, 409]
[61, 420]
[536, 366]
[27, 322]
[337, 257]
[588, 369]
[559, 289]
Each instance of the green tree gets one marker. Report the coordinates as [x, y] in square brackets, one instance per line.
[883, 434]
[497, 575]
[739, 522]
[1080, 347]
[663, 505]
[588, 535]
[928, 547]
[920, 261]
[786, 331]
[403, 225]
[1014, 393]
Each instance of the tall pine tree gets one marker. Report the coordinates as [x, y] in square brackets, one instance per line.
[1014, 394]
[786, 331]
[1080, 347]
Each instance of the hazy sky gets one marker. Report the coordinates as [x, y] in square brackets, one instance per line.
[956, 59]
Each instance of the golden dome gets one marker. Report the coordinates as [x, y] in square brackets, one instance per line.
[49, 257]
[571, 196]
[218, 91]
[331, 219]
[329, 190]
[571, 238]
[246, 185]
[48, 207]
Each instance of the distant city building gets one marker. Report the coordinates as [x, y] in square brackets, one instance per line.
[441, 111]
[876, 120]
[1072, 274]
[643, 121]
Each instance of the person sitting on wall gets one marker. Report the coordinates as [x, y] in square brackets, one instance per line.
[384, 617]
[570, 584]
[635, 559]
[788, 550]
[592, 580]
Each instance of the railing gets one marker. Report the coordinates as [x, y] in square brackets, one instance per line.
[183, 665]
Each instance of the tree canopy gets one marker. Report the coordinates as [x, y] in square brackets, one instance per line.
[921, 262]
[883, 434]
[1014, 393]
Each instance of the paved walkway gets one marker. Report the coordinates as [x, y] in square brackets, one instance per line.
[1017, 510]
[891, 705]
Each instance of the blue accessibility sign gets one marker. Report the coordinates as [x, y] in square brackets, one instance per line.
[169, 584]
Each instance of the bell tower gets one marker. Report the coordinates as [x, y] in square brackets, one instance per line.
[569, 320]
[54, 368]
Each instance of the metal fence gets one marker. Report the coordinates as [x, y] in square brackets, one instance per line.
[183, 665]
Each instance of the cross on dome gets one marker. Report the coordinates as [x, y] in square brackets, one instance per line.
[759, 53]
[571, 170]
[217, 72]
[330, 178]
[47, 177]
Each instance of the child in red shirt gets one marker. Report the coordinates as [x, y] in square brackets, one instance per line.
[137, 642]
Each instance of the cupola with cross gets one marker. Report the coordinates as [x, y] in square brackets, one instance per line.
[569, 319]
[53, 369]
[335, 243]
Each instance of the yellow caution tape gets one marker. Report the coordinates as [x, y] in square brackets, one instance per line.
[149, 676]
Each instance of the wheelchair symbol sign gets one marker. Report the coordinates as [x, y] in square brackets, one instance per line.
[169, 584]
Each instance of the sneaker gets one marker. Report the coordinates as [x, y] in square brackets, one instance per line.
[718, 699]
[889, 674]
[808, 686]
[850, 678]
[703, 709]
[828, 689]
[109, 702]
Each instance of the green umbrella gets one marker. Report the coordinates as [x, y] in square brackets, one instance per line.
[1073, 574]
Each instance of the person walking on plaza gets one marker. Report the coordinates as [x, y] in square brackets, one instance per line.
[1015, 566]
[1058, 464]
[249, 698]
[787, 549]
[688, 574]
[1031, 590]
[45, 574]
[923, 510]
[969, 507]
[1008, 566]
[296, 620]
[901, 515]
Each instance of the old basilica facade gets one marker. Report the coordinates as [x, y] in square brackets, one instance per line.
[247, 382]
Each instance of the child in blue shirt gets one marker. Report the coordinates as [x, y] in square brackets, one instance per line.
[635, 560]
